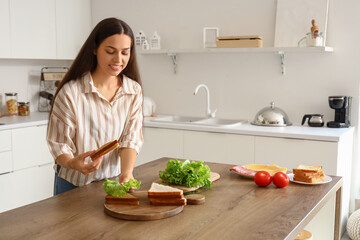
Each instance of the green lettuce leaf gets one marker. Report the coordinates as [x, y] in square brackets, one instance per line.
[115, 189]
[189, 174]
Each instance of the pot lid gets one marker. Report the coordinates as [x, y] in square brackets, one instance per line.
[271, 116]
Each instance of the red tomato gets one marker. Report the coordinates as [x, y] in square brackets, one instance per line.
[281, 180]
[262, 178]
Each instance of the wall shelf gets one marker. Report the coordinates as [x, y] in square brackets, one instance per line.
[281, 51]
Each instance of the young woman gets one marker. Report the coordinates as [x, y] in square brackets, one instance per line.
[98, 101]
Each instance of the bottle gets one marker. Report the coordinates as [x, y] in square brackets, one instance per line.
[24, 108]
[11, 103]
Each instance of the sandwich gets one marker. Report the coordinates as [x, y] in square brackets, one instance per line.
[128, 199]
[161, 195]
[308, 173]
[104, 149]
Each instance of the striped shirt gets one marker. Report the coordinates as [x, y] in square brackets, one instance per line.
[83, 120]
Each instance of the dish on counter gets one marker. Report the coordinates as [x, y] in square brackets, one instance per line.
[327, 179]
[249, 171]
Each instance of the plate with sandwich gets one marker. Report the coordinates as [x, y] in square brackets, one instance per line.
[309, 174]
[249, 171]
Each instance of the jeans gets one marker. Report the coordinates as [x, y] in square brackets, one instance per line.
[61, 185]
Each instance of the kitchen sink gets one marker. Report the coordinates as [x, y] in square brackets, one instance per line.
[177, 119]
[220, 122]
[198, 121]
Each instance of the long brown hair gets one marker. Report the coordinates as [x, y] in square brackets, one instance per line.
[86, 60]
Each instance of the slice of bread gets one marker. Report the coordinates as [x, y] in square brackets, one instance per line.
[128, 199]
[307, 168]
[308, 173]
[168, 201]
[162, 191]
[162, 195]
[309, 180]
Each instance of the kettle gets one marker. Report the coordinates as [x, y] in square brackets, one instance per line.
[314, 120]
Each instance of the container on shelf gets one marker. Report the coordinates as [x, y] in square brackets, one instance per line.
[24, 108]
[11, 103]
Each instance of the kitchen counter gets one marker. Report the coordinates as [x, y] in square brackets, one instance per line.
[34, 119]
[297, 132]
[235, 208]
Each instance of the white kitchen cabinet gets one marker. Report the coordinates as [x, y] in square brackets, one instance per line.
[26, 167]
[30, 147]
[33, 33]
[5, 152]
[73, 25]
[5, 140]
[219, 147]
[160, 143]
[26, 186]
[5, 162]
[5, 44]
[292, 152]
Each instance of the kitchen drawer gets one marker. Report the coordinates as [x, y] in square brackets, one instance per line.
[6, 164]
[5, 140]
[30, 147]
[219, 147]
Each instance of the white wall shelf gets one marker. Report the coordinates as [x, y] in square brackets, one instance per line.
[281, 51]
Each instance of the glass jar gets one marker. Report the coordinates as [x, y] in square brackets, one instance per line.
[24, 108]
[11, 103]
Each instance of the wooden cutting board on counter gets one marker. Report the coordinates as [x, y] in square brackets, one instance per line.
[213, 177]
[144, 211]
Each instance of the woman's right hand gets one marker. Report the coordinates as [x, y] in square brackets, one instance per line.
[78, 163]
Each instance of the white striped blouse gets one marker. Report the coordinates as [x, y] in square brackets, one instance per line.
[83, 120]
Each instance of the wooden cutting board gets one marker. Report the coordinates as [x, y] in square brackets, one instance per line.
[213, 177]
[143, 211]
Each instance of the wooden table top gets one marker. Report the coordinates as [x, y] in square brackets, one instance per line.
[235, 208]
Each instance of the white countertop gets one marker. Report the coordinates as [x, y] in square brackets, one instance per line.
[34, 119]
[298, 132]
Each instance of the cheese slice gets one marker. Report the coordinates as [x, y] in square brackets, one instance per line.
[272, 169]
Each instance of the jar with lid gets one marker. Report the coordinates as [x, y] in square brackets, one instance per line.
[11, 103]
[24, 108]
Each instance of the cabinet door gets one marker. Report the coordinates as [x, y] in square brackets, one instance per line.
[33, 33]
[6, 163]
[73, 25]
[26, 186]
[292, 152]
[219, 147]
[5, 140]
[5, 45]
[30, 147]
[158, 143]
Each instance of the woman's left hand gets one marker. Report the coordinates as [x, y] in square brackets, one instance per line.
[125, 177]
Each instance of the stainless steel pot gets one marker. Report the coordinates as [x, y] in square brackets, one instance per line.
[271, 116]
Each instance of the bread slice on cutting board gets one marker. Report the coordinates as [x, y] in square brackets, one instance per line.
[128, 199]
[165, 195]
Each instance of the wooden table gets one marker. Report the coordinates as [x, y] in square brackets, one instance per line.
[235, 208]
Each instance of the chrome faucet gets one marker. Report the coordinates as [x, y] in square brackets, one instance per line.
[209, 114]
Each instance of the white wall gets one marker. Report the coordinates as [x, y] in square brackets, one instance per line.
[241, 84]
[23, 77]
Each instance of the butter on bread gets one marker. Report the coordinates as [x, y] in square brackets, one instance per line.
[163, 195]
[104, 149]
[308, 173]
[128, 199]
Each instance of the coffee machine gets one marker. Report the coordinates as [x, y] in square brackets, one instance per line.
[342, 105]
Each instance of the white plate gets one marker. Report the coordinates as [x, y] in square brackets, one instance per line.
[327, 179]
